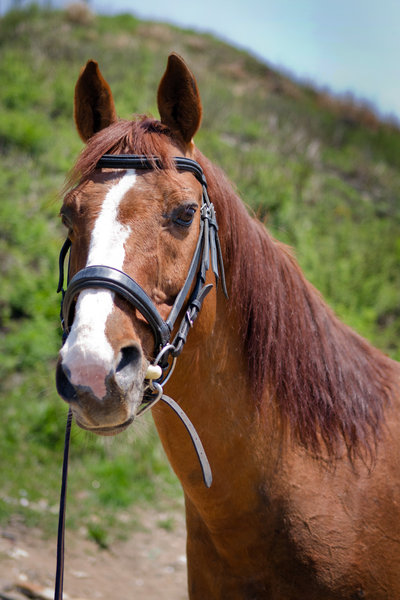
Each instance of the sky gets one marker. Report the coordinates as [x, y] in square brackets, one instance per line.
[343, 45]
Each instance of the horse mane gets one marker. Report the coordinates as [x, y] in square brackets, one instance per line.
[330, 385]
[144, 136]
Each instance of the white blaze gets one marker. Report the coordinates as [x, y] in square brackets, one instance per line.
[87, 353]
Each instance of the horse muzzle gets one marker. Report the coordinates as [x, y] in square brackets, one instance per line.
[104, 402]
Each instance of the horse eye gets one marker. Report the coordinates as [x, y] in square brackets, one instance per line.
[184, 215]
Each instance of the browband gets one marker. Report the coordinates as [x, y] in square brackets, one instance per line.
[137, 161]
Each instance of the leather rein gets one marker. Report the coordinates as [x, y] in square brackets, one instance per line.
[166, 350]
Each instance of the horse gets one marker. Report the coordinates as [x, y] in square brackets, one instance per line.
[298, 414]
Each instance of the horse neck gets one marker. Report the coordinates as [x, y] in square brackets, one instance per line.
[211, 384]
[276, 363]
[276, 337]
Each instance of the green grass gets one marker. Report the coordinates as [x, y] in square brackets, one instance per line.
[324, 177]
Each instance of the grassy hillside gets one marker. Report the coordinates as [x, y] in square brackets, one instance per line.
[324, 174]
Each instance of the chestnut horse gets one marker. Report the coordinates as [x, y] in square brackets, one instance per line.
[299, 416]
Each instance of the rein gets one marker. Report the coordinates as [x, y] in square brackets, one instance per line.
[207, 253]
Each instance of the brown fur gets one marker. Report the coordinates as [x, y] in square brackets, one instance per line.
[294, 512]
[326, 378]
[142, 136]
[329, 382]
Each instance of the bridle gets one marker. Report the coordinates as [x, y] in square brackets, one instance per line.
[208, 250]
[207, 253]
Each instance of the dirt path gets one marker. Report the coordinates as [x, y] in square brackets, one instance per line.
[151, 565]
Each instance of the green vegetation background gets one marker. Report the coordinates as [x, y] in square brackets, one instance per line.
[323, 172]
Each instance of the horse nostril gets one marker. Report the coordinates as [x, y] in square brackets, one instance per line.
[129, 356]
[64, 387]
[129, 362]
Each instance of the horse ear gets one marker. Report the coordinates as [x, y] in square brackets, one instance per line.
[93, 103]
[178, 99]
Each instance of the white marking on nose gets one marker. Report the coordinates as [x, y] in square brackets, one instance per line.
[87, 354]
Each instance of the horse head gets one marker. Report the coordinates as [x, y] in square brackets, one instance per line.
[142, 223]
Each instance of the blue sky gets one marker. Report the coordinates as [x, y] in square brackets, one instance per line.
[345, 45]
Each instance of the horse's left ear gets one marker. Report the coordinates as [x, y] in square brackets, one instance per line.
[93, 102]
[178, 99]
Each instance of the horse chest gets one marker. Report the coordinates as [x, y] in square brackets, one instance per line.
[280, 565]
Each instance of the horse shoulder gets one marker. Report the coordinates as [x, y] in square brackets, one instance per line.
[340, 520]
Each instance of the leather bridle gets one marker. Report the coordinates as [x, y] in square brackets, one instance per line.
[207, 253]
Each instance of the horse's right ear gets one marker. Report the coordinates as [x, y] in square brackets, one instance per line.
[93, 102]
